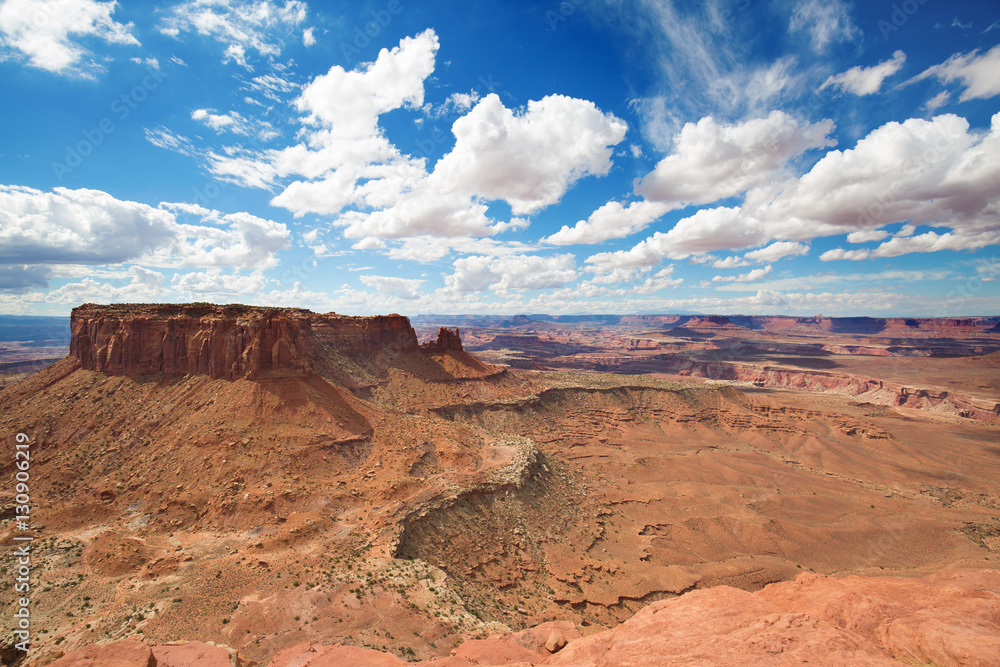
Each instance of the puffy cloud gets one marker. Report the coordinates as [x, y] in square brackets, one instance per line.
[213, 284]
[46, 32]
[20, 278]
[239, 25]
[712, 229]
[714, 161]
[613, 220]
[245, 241]
[513, 272]
[826, 22]
[866, 235]
[350, 102]
[143, 286]
[343, 143]
[866, 80]
[938, 100]
[528, 159]
[394, 287]
[308, 38]
[840, 253]
[644, 254]
[923, 171]
[345, 166]
[776, 251]
[933, 242]
[92, 227]
[748, 277]
[732, 262]
[77, 226]
[662, 279]
[472, 274]
[422, 212]
[980, 74]
[619, 275]
[705, 231]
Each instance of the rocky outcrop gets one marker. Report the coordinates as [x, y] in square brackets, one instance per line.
[134, 653]
[231, 342]
[949, 618]
[945, 619]
[446, 340]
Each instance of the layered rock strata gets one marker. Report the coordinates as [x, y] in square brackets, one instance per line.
[229, 342]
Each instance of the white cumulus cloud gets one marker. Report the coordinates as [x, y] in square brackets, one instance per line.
[394, 287]
[92, 227]
[776, 251]
[712, 161]
[512, 272]
[528, 159]
[980, 74]
[748, 277]
[866, 235]
[840, 253]
[866, 80]
[613, 220]
[47, 32]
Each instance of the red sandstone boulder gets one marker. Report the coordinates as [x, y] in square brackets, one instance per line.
[195, 654]
[314, 655]
[495, 651]
[125, 653]
[950, 618]
[719, 626]
[545, 639]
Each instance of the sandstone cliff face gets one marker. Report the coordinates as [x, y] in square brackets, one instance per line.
[229, 342]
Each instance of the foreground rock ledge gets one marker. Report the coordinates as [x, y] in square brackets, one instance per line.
[948, 618]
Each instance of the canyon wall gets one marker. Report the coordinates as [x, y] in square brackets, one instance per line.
[231, 342]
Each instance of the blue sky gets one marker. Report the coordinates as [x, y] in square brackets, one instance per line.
[731, 156]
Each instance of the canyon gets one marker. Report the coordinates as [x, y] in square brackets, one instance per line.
[278, 487]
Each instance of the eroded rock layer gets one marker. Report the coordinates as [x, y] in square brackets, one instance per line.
[224, 341]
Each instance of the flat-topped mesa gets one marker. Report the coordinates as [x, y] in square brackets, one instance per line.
[232, 341]
[446, 340]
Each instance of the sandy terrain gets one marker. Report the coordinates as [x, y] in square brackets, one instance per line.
[443, 500]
